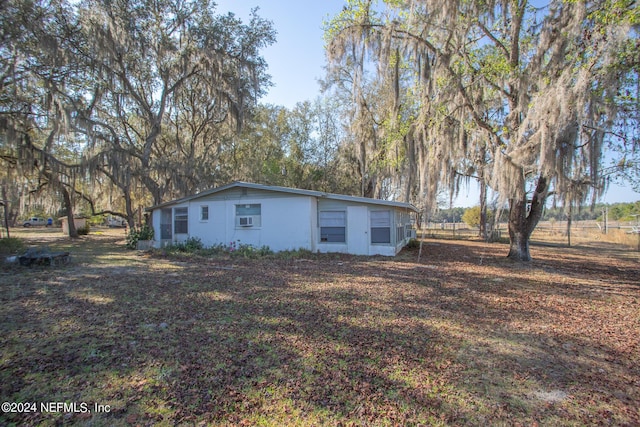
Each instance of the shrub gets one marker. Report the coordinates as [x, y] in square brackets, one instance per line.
[11, 246]
[191, 245]
[83, 231]
[248, 251]
[139, 233]
[413, 244]
[95, 220]
[471, 216]
[215, 250]
[294, 254]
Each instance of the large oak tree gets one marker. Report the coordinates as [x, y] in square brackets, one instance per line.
[532, 92]
[144, 92]
[152, 63]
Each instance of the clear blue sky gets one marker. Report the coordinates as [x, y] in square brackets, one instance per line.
[297, 58]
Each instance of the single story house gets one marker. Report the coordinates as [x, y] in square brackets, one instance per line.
[285, 218]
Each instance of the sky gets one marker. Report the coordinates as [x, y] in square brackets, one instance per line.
[297, 58]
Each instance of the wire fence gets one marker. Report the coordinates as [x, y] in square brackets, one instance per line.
[621, 234]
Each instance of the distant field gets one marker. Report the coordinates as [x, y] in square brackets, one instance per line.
[583, 233]
[462, 337]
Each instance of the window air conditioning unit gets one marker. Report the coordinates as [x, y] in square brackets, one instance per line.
[246, 221]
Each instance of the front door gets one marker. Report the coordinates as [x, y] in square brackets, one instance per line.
[357, 230]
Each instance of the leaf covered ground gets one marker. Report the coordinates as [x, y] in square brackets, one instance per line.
[463, 337]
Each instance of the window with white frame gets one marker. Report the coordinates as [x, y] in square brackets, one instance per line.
[249, 215]
[380, 226]
[181, 220]
[333, 226]
[204, 213]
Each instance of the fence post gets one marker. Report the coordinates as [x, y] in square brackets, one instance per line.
[638, 231]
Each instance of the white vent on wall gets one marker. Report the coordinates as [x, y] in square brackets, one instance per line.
[246, 221]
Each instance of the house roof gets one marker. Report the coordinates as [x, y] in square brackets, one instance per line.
[297, 191]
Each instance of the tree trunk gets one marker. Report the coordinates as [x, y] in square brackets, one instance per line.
[569, 218]
[523, 221]
[5, 205]
[73, 232]
[483, 193]
[518, 236]
[66, 198]
[483, 209]
[157, 192]
[128, 203]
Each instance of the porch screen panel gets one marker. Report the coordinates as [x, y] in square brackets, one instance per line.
[181, 220]
[401, 229]
[166, 229]
[333, 226]
[380, 226]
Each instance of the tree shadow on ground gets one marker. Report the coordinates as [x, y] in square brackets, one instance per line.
[461, 338]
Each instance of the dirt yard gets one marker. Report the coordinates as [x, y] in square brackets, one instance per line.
[463, 337]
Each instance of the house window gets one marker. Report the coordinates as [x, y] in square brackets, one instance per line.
[204, 213]
[380, 226]
[249, 215]
[333, 226]
[181, 220]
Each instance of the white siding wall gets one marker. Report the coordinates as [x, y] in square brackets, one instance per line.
[285, 223]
